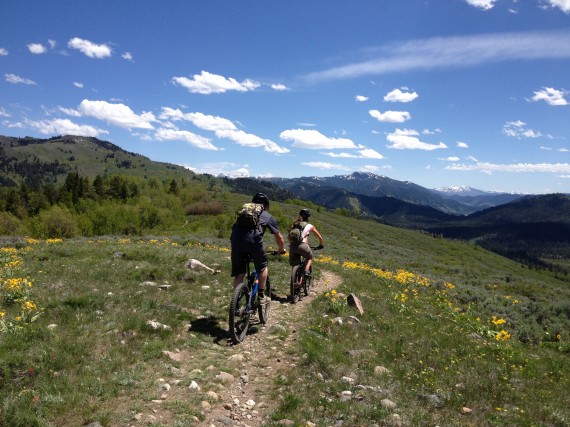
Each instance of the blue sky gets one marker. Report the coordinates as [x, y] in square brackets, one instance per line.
[436, 92]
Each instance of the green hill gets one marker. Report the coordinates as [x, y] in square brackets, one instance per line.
[47, 161]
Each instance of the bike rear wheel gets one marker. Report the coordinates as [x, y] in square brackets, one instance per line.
[240, 314]
[263, 310]
[294, 287]
[307, 282]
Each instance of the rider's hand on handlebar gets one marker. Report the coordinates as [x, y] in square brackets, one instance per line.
[319, 247]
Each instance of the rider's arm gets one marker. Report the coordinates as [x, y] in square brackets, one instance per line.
[314, 230]
[279, 241]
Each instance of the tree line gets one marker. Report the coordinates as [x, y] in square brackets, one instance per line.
[104, 205]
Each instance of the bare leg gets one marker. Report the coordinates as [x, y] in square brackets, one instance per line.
[262, 276]
[238, 279]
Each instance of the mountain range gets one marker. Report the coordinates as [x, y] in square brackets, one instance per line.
[534, 229]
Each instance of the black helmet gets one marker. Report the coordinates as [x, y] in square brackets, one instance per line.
[261, 199]
[304, 213]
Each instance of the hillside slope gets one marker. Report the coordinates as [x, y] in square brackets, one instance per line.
[42, 161]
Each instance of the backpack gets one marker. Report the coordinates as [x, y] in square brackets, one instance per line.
[248, 215]
[296, 233]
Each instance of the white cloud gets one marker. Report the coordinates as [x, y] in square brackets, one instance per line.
[52, 43]
[116, 114]
[563, 5]
[366, 153]
[390, 116]
[551, 96]
[519, 130]
[186, 136]
[431, 132]
[128, 56]
[65, 127]
[90, 49]
[3, 51]
[517, 167]
[279, 87]
[314, 140]
[223, 128]
[563, 150]
[324, 165]
[361, 98]
[482, 4]
[208, 83]
[13, 78]
[222, 168]
[37, 48]
[450, 159]
[4, 113]
[398, 96]
[369, 153]
[70, 112]
[250, 140]
[406, 139]
[461, 144]
[455, 51]
[78, 84]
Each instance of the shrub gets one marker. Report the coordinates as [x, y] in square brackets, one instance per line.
[56, 222]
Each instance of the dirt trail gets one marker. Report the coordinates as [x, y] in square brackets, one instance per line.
[263, 356]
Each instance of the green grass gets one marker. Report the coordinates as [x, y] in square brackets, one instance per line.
[90, 356]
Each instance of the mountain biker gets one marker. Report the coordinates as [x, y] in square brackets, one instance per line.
[302, 248]
[250, 242]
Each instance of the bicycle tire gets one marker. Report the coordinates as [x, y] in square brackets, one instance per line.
[263, 310]
[296, 273]
[238, 318]
[307, 282]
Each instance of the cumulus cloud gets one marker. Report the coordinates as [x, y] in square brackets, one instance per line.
[324, 165]
[407, 139]
[390, 116]
[398, 96]
[519, 130]
[116, 114]
[223, 128]
[229, 169]
[128, 56]
[279, 87]
[90, 49]
[517, 167]
[482, 4]
[37, 48]
[563, 5]
[186, 136]
[64, 127]
[4, 113]
[13, 78]
[431, 132]
[3, 51]
[366, 153]
[361, 98]
[551, 96]
[78, 84]
[450, 159]
[455, 51]
[207, 83]
[70, 112]
[461, 144]
[314, 140]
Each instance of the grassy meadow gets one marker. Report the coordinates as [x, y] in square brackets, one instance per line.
[451, 334]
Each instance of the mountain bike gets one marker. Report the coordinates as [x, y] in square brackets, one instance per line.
[298, 280]
[245, 303]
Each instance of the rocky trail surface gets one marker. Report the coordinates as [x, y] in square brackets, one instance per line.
[234, 384]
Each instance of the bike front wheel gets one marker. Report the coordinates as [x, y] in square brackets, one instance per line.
[294, 287]
[263, 309]
[240, 314]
